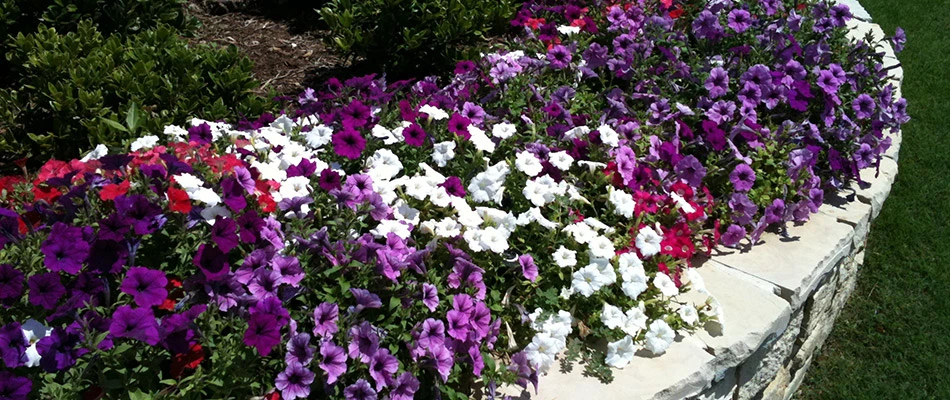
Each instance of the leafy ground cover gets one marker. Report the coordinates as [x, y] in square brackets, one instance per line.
[890, 342]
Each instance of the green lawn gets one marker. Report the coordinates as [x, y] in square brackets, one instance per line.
[893, 339]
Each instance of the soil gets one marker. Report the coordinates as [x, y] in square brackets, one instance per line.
[288, 51]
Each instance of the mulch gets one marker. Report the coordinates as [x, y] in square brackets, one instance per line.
[288, 56]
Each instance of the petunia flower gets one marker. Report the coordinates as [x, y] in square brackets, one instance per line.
[146, 286]
[135, 323]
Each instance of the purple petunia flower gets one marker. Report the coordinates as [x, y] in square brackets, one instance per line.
[559, 57]
[46, 289]
[864, 156]
[464, 67]
[361, 390]
[382, 366]
[11, 282]
[405, 387]
[691, 170]
[721, 111]
[135, 323]
[12, 344]
[443, 360]
[61, 349]
[334, 361]
[263, 333]
[717, 83]
[742, 178]
[224, 233]
[144, 216]
[863, 106]
[212, 262]
[739, 20]
[146, 286]
[430, 296]
[325, 316]
[528, 268]
[289, 268]
[364, 342]
[200, 134]
[458, 323]
[264, 283]
[707, 26]
[365, 299]
[65, 249]
[899, 39]
[14, 387]
[827, 81]
[743, 208]
[348, 143]
[732, 235]
[415, 135]
[294, 381]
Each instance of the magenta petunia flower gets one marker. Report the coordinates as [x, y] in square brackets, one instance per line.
[415, 135]
[348, 143]
[329, 180]
[146, 286]
[453, 186]
[65, 249]
[135, 323]
[334, 361]
[325, 316]
[459, 125]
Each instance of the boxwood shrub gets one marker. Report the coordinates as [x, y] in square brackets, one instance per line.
[74, 90]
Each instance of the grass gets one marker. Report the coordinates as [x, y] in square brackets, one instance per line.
[893, 339]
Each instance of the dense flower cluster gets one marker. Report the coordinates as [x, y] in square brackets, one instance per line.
[424, 239]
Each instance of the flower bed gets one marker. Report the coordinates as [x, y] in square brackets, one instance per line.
[418, 239]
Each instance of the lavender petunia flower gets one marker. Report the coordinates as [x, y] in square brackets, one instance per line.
[364, 342]
[743, 208]
[443, 360]
[717, 83]
[742, 178]
[559, 57]
[146, 286]
[65, 249]
[382, 366]
[299, 350]
[334, 361]
[135, 323]
[46, 289]
[404, 387]
[361, 390]
[775, 212]
[528, 268]
[732, 235]
[432, 334]
[294, 381]
[325, 316]
[690, 170]
[721, 111]
[430, 296]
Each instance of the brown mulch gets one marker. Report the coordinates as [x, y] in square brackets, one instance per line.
[286, 58]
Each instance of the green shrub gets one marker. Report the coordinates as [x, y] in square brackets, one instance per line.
[110, 16]
[73, 88]
[414, 37]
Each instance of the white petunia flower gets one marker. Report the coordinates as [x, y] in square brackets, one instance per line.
[494, 239]
[612, 317]
[592, 166]
[696, 281]
[100, 151]
[665, 284]
[481, 141]
[561, 160]
[210, 213]
[503, 130]
[388, 226]
[442, 153]
[528, 163]
[319, 136]
[620, 353]
[634, 321]
[433, 112]
[383, 165]
[33, 331]
[541, 351]
[609, 136]
[623, 202]
[402, 211]
[297, 186]
[586, 281]
[386, 135]
[205, 195]
[688, 314]
[602, 247]
[284, 124]
[176, 132]
[581, 232]
[188, 182]
[659, 337]
[648, 241]
[576, 132]
[144, 142]
[683, 204]
[419, 187]
[568, 30]
[565, 257]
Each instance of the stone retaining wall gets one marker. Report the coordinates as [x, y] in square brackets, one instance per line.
[780, 300]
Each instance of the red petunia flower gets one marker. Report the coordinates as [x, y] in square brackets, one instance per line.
[184, 361]
[178, 201]
[112, 190]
